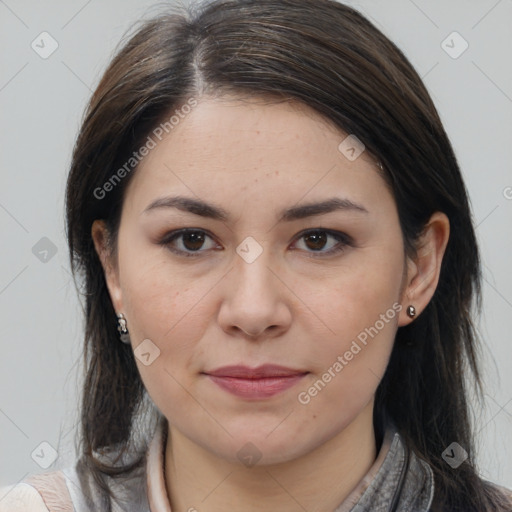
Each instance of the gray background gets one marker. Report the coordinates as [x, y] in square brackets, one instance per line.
[42, 100]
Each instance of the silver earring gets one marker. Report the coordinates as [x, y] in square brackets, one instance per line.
[121, 327]
[411, 311]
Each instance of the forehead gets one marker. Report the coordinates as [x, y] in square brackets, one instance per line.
[256, 124]
[257, 148]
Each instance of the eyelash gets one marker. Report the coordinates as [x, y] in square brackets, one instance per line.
[343, 239]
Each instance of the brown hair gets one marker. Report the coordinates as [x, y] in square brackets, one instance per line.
[328, 56]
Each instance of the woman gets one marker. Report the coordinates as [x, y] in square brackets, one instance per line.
[279, 267]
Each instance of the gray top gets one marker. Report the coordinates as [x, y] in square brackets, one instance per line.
[397, 481]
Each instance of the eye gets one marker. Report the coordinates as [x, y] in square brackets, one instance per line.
[316, 240]
[190, 241]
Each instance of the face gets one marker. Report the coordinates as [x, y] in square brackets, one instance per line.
[316, 290]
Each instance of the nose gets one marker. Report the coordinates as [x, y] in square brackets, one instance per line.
[255, 300]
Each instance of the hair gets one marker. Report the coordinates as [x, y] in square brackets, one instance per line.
[331, 58]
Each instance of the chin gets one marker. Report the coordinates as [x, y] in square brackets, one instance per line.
[256, 446]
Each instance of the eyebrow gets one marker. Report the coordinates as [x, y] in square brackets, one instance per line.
[204, 209]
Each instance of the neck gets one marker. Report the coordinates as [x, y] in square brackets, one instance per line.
[317, 481]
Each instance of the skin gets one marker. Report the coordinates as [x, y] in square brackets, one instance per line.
[293, 305]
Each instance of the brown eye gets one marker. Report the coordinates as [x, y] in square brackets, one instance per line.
[315, 241]
[187, 242]
[193, 240]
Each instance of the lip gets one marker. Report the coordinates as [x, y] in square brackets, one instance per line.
[245, 372]
[255, 383]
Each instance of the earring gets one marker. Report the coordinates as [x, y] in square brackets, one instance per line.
[121, 327]
[411, 311]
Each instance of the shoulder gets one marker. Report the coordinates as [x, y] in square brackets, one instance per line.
[20, 498]
[38, 493]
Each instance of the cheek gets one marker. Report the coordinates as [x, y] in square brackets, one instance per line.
[359, 309]
[172, 316]
[162, 306]
[353, 297]
[346, 374]
[156, 294]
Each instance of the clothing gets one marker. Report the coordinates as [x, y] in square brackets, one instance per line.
[143, 490]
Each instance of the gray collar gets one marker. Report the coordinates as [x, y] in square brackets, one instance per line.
[398, 481]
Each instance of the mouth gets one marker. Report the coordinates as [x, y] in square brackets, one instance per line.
[255, 383]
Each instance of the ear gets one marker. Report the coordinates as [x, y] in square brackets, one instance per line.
[100, 236]
[424, 269]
